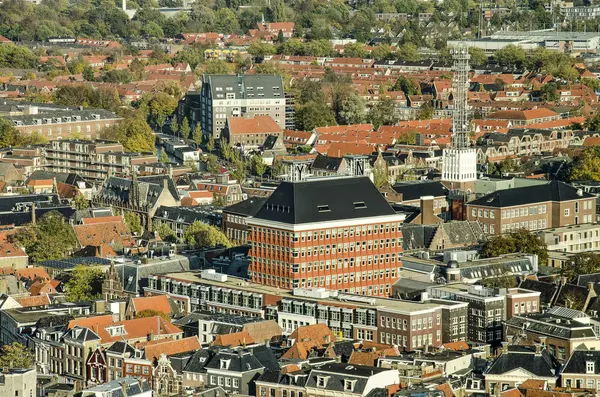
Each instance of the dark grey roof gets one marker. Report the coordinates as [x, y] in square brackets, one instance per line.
[239, 361]
[265, 355]
[577, 363]
[119, 189]
[327, 163]
[81, 335]
[184, 215]
[322, 200]
[64, 177]
[69, 263]
[198, 361]
[160, 180]
[338, 373]
[584, 279]
[121, 348]
[248, 207]
[547, 290]
[573, 296]
[245, 86]
[276, 377]
[554, 326]
[526, 358]
[414, 191]
[85, 115]
[551, 191]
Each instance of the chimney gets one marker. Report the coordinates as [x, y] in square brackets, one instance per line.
[150, 336]
[590, 286]
[538, 348]
[165, 184]
[509, 339]
[33, 213]
[427, 215]
[504, 347]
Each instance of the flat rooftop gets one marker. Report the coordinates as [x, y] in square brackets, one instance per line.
[342, 300]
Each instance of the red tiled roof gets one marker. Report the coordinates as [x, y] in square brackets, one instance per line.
[101, 219]
[529, 114]
[339, 149]
[364, 358]
[40, 182]
[169, 347]
[252, 125]
[30, 301]
[459, 345]
[135, 329]
[234, 339]
[533, 384]
[43, 286]
[103, 233]
[160, 303]
[511, 393]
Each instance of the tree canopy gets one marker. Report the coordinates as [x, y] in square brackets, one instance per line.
[518, 241]
[202, 235]
[16, 356]
[85, 283]
[133, 133]
[51, 237]
[581, 263]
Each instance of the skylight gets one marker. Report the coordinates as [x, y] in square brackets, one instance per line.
[359, 205]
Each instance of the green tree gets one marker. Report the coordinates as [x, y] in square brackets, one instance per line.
[511, 55]
[137, 70]
[380, 176]
[500, 281]
[277, 11]
[16, 356]
[382, 52]
[353, 109]
[212, 164]
[160, 107]
[408, 52]
[88, 74]
[406, 85]
[549, 92]
[17, 57]
[257, 165]
[80, 202]
[164, 158]
[518, 241]
[50, 238]
[277, 168]
[201, 235]
[197, 135]
[355, 50]
[166, 233]
[260, 49]
[239, 170]
[133, 222]
[217, 67]
[478, 56]
[9, 135]
[314, 114]
[210, 144]
[586, 166]
[383, 113]
[119, 76]
[175, 128]
[425, 112]
[185, 128]
[85, 283]
[191, 164]
[581, 263]
[133, 133]
[153, 313]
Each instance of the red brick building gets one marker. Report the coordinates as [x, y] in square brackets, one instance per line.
[337, 233]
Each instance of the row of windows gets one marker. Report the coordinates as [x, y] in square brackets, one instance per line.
[530, 305]
[416, 324]
[531, 225]
[327, 233]
[224, 381]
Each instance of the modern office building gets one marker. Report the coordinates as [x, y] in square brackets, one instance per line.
[225, 96]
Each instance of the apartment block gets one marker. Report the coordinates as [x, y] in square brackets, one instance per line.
[572, 239]
[337, 233]
[225, 96]
[521, 301]
[87, 123]
[487, 310]
[408, 324]
[551, 205]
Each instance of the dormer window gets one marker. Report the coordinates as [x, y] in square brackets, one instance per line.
[322, 381]
[349, 385]
[590, 367]
[224, 364]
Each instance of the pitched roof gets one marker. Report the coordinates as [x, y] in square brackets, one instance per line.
[253, 125]
[324, 200]
[542, 365]
[364, 358]
[241, 338]
[529, 114]
[414, 191]
[551, 191]
[547, 290]
[579, 358]
[170, 347]
[134, 329]
[459, 345]
[37, 300]
[511, 393]
[160, 303]
[96, 234]
[101, 219]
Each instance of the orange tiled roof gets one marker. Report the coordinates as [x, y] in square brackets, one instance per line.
[591, 141]
[101, 219]
[37, 287]
[533, 384]
[37, 300]
[459, 345]
[446, 388]
[169, 347]
[40, 182]
[511, 393]
[234, 339]
[160, 303]
[32, 273]
[253, 125]
[364, 358]
[135, 329]
[103, 233]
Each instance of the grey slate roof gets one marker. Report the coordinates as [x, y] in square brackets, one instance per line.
[239, 361]
[338, 373]
[521, 357]
[248, 207]
[81, 335]
[119, 189]
[198, 361]
[121, 347]
[571, 295]
[414, 191]
[246, 86]
[551, 191]
[547, 290]
[276, 377]
[584, 279]
[85, 114]
[579, 358]
[322, 200]
[327, 163]
[549, 325]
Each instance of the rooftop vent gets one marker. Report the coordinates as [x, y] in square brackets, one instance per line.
[323, 208]
[359, 205]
